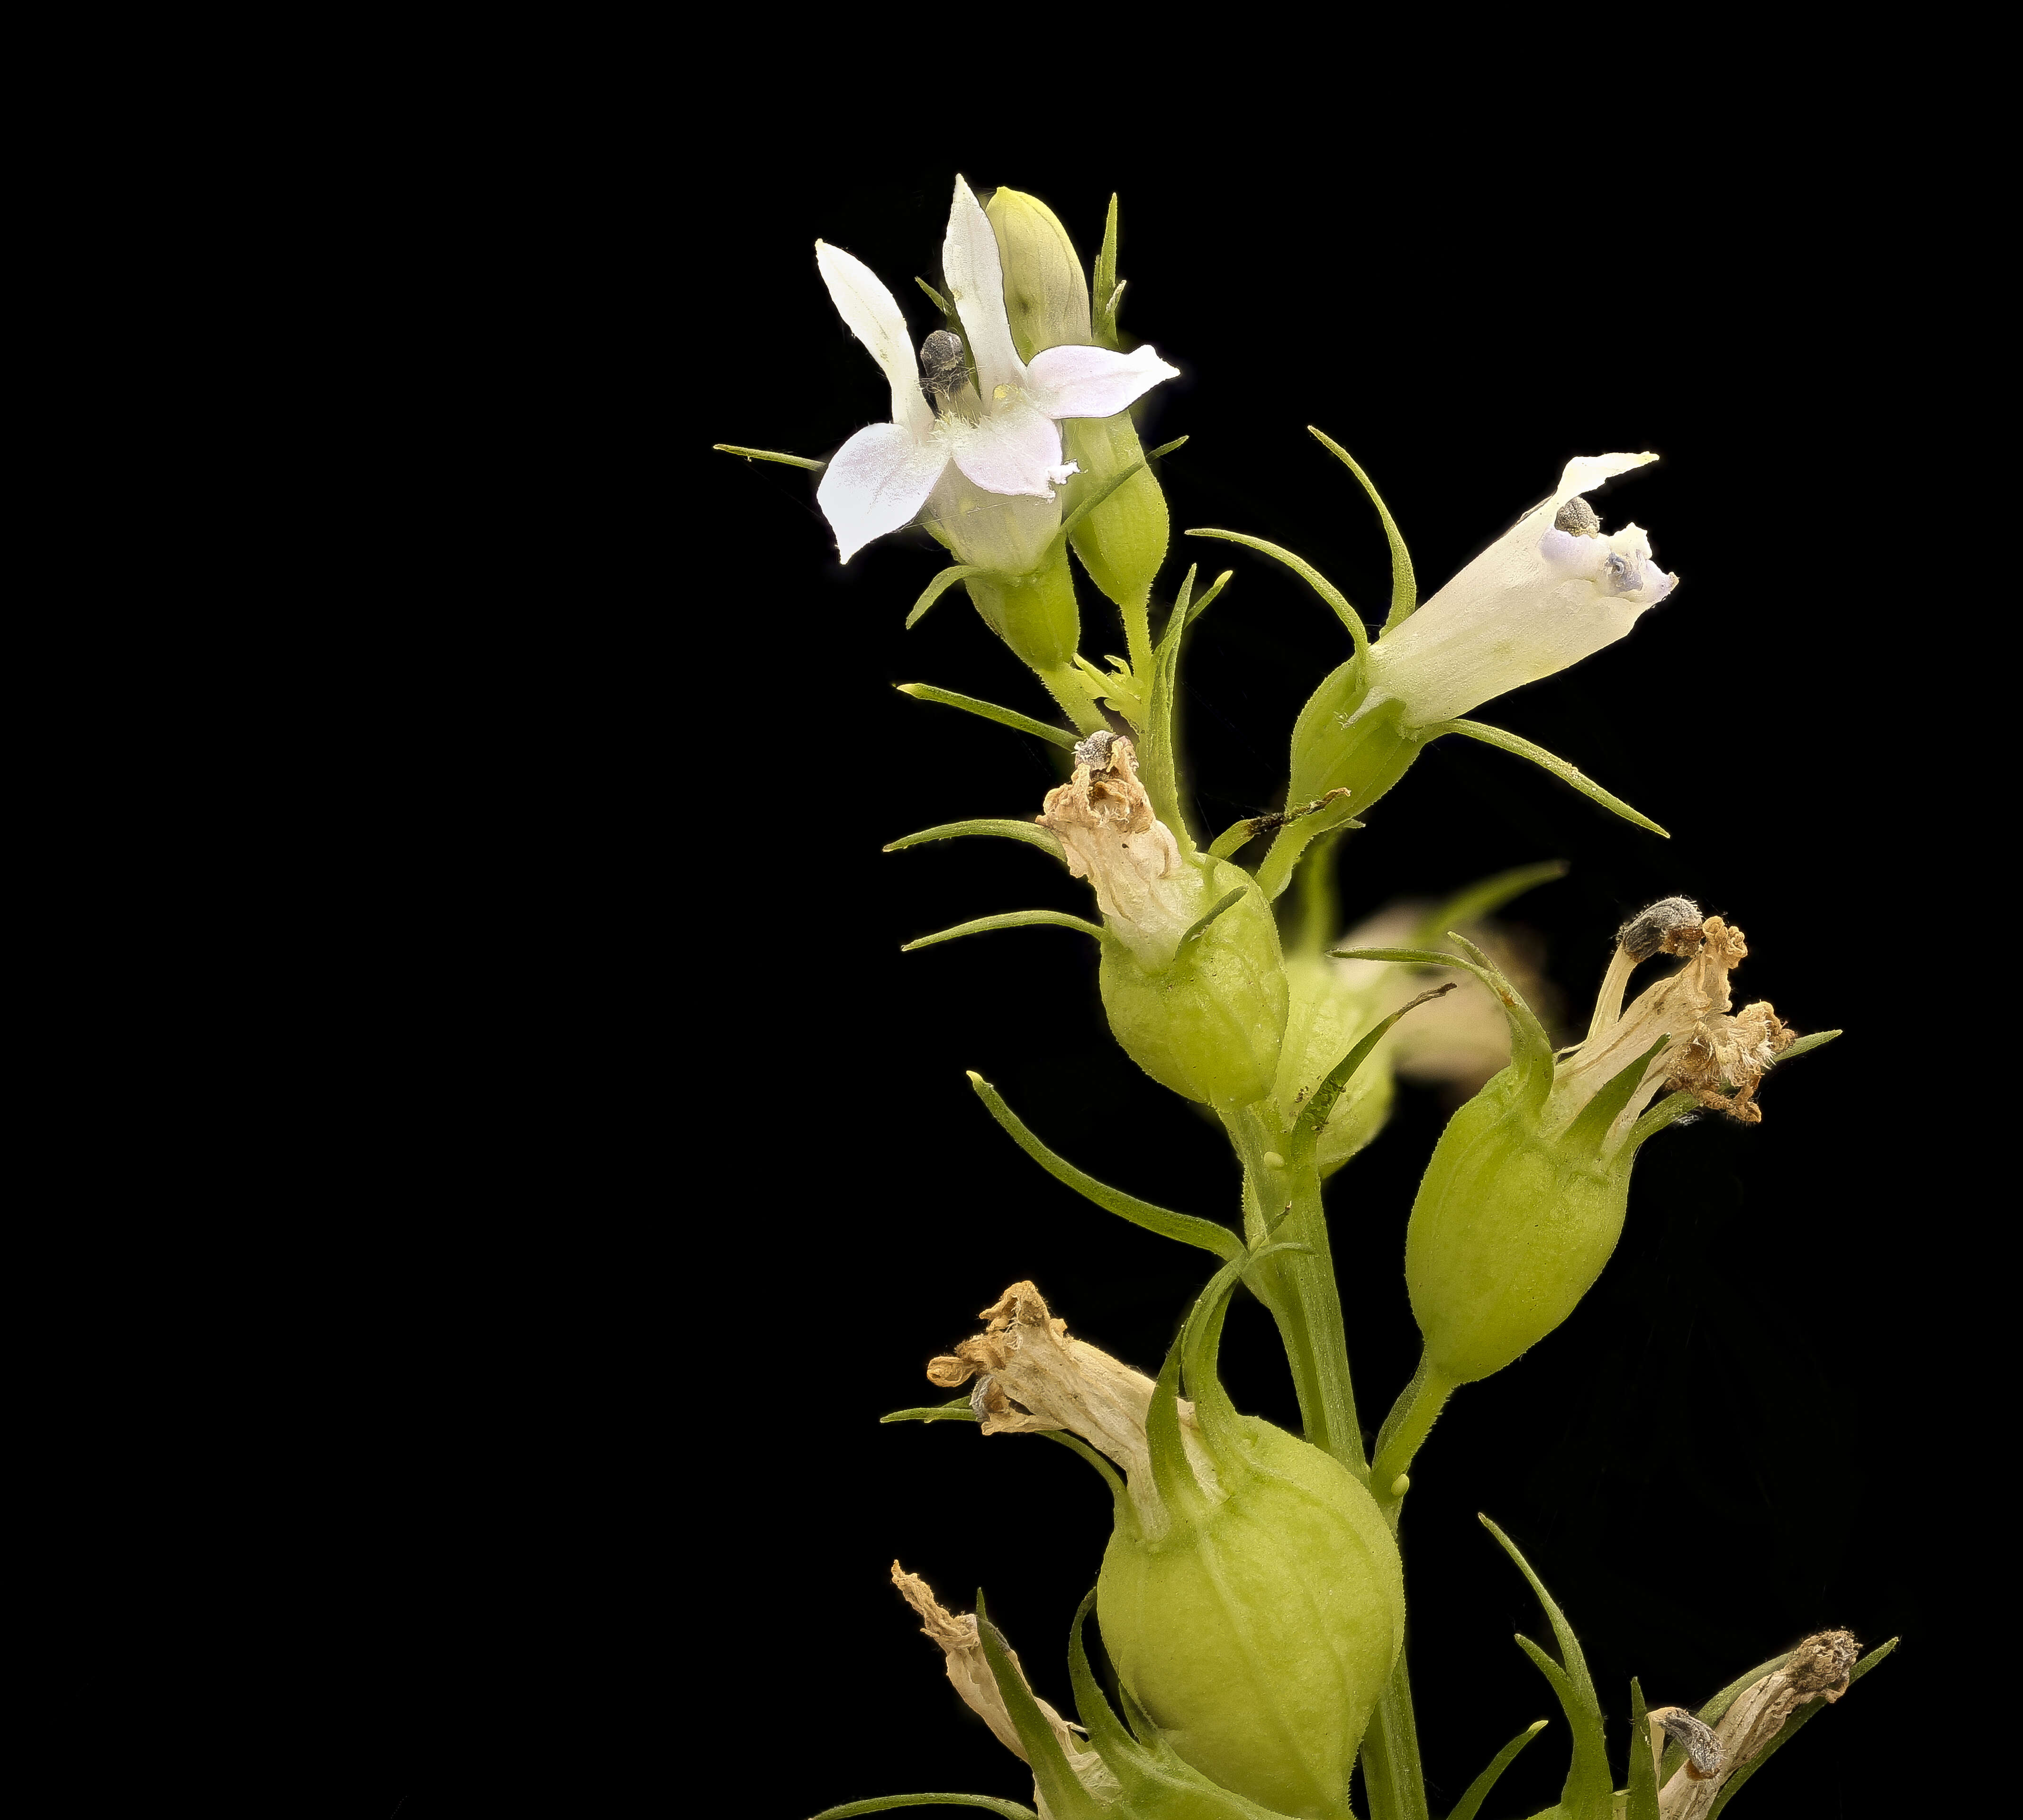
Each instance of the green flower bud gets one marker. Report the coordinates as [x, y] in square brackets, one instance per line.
[1524, 1200]
[1190, 974]
[1123, 542]
[1251, 1597]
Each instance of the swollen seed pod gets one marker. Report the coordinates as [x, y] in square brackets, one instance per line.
[1190, 974]
[1251, 1597]
[1523, 1201]
[1254, 1610]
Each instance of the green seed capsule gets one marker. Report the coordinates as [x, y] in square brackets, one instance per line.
[1256, 1619]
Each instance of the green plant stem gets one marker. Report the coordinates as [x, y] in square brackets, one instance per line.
[1282, 1202]
[1405, 1430]
[1065, 685]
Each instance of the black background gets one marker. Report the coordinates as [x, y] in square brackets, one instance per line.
[663, 1180]
[1693, 1462]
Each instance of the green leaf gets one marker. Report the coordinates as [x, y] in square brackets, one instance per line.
[1504, 742]
[1404, 585]
[771, 455]
[1165, 449]
[1470, 1804]
[1589, 1792]
[1321, 1103]
[1308, 573]
[1010, 920]
[885, 1804]
[1642, 1801]
[990, 711]
[1199, 927]
[1031, 833]
[1473, 902]
[937, 587]
[1185, 1228]
[958, 1410]
[1804, 1714]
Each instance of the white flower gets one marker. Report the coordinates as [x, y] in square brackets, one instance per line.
[1000, 432]
[1553, 590]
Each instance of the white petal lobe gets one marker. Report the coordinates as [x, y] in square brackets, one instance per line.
[1093, 382]
[878, 482]
[872, 315]
[1012, 451]
[970, 262]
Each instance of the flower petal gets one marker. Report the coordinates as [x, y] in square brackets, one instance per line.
[1093, 382]
[1010, 452]
[868, 307]
[1586, 472]
[976, 287]
[877, 481]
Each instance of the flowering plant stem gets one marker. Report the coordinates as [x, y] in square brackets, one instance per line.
[1282, 1204]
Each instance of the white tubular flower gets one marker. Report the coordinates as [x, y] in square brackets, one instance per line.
[997, 423]
[1553, 590]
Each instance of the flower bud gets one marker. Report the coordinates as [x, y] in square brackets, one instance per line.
[1524, 1200]
[1251, 1597]
[1123, 542]
[1190, 974]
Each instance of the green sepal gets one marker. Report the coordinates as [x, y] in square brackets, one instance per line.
[1484, 898]
[1320, 1104]
[1235, 838]
[1010, 920]
[1060, 538]
[1173, 1477]
[1805, 1044]
[990, 711]
[1074, 1444]
[1201, 1343]
[1584, 1135]
[937, 587]
[1538, 756]
[1588, 1793]
[1119, 689]
[958, 1410]
[1803, 1715]
[1185, 1228]
[770, 455]
[1199, 926]
[1640, 1801]
[1105, 293]
[1308, 573]
[1163, 448]
[942, 304]
[1059, 1786]
[1031, 833]
[1157, 768]
[1470, 1804]
[1530, 1049]
[1404, 584]
[885, 1804]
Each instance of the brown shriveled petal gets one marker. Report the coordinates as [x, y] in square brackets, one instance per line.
[1817, 1670]
[1719, 1059]
[1032, 1375]
[1104, 822]
[969, 1671]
